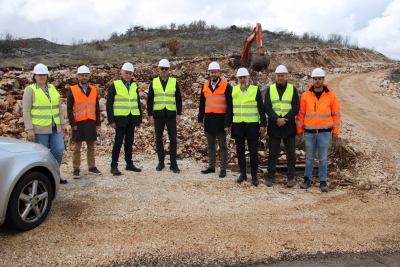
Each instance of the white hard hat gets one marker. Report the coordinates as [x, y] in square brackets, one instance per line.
[127, 66]
[281, 69]
[213, 66]
[318, 72]
[163, 63]
[40, 69]
[83, 69]
[242, 72]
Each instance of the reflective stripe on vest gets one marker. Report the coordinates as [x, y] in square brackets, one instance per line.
[281, 107]
[164, 99]
[124, 102]
[84, 107]
[43, 111]
[215, 101]
[245, 107]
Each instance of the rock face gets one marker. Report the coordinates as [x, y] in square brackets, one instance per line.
[191, 74]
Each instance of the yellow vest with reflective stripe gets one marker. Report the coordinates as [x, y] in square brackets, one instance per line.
[245, 107]
[164, 99]
[124, 102]
[43, 111]
[281, 107]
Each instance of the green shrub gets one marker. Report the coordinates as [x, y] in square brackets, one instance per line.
[163, 44]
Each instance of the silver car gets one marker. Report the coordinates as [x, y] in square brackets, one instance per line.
[29, 181]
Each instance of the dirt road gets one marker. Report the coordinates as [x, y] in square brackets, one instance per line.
[165, 219]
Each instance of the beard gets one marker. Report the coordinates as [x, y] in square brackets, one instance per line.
[214, 79]
[244, 84]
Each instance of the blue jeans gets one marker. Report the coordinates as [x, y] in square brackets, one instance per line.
[55, 141]
[314, 140]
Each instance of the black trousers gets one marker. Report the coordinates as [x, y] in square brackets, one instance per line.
[274, 147]
[252, 144]
[121, 132]
[159, 125]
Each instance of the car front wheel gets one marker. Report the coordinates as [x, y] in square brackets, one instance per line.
[30, 202]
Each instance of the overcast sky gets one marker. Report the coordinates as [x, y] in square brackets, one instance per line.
[373, 24]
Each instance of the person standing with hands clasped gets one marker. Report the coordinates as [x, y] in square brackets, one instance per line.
[84, 117]
[319, 120]
[164, 108]
[124, 114]
[244, 108]
[43, 114]
[281, 104]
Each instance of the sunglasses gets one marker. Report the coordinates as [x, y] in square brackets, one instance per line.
[164, 68]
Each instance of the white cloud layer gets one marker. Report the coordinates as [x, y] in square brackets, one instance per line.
[371, 23]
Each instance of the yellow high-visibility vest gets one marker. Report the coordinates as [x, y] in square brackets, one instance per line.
[164, 99]
[124, 102]
[43, 111]
[245, 107]
[281, 107]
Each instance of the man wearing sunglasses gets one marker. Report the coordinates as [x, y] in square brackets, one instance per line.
[164, 108]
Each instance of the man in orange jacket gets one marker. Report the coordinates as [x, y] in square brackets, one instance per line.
[319, 118]
[84, 117]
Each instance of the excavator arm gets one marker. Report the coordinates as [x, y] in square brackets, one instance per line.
[256, 33]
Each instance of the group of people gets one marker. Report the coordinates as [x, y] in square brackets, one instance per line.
[239, 111]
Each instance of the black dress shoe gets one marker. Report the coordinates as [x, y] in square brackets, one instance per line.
[160, 166]
[115, 171]
[222, 174]
[255, 180]
[241, 178]
[175, 169]
[208, 170]
[131, 167]
[63, 181]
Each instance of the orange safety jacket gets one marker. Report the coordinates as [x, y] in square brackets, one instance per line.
[84, 106]
[215, 101]
[318, 114]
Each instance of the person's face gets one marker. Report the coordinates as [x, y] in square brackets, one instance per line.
[41, 78]
[83, 78]
[243, 81]
[281, 78]
[318, 81]
[164, 71]
[214, 75]
[126, 75]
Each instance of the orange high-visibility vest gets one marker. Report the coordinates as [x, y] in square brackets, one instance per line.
[84, 107]
[215, 101]
[317, 114]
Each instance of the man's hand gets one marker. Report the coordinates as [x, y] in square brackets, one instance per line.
[300, 135]
[31, 135]
[151, 120]
[227, 130]
[335, 137]
[139, 126]
[201, 124]
[97, 127]
[63, 128]
[113, 125]
[262, 131]
[178, 119]
[76, 128]
[281, 121]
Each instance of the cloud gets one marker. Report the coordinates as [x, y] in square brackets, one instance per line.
[63, 20]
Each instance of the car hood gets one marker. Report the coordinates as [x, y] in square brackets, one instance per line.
[13, 145]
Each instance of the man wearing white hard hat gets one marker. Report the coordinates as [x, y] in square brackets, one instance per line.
[124, 114]
[164, 108]
[84, 117]
[244, 109]
[319, 120]
[212, 110]
[281, 105]
[43, 114]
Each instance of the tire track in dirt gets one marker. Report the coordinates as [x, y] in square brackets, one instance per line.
[371, 112]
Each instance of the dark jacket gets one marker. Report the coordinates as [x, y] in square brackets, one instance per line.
[244, 130]
[87, 128]
[122, 121]
[289, 128]
[213, 122]
[165, 113]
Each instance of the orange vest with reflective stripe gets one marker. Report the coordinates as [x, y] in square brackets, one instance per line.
[215, 101]
[318, 114]
[84, 107]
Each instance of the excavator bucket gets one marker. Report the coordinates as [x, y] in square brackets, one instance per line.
[259, 62]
